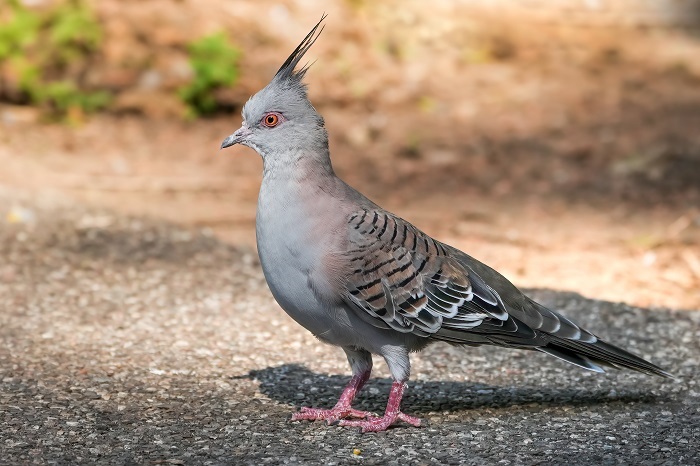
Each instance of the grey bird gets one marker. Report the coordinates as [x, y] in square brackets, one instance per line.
[361, 278]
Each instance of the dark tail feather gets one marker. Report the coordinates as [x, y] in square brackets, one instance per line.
[591, 355]
[572, 358]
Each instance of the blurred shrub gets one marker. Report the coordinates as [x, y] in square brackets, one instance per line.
[51, 56]
[214, 61]
[46, 53]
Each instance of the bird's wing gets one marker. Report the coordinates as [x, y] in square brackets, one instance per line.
[401, 278]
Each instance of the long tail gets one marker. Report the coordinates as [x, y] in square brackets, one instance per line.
[592, 355]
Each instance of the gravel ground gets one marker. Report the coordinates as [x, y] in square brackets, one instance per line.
[129, 341]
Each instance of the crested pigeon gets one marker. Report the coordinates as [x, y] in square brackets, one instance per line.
[361, 278]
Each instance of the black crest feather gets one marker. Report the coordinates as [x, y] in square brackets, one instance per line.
[286, 71]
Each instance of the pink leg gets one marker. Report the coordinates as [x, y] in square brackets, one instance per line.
[342, 408]
[393, 413]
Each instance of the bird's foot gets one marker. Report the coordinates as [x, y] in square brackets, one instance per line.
[331, 416]
[381, 424]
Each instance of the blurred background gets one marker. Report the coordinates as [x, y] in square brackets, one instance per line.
[558, 141]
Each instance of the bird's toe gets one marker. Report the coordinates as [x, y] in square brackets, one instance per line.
[414, 421]
[331, 416]
[380, 424]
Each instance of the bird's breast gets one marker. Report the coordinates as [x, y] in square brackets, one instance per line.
[292, 250]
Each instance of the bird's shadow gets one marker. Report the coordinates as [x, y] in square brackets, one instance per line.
[296, 385]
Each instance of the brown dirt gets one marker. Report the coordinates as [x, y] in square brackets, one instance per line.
[565, 157]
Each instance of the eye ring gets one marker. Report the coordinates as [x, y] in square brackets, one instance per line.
[270, 120]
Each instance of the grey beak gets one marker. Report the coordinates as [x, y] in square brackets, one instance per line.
[237, 137]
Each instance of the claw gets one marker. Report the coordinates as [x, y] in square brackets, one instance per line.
[414, 421]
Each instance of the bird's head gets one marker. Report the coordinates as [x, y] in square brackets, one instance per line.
[280, 119]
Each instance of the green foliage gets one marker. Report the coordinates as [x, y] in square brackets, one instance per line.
[74, 31]
[66, 96]
[18, 33]
[214, 61]
[48, 51]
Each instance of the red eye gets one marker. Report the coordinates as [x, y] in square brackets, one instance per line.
[271, 120]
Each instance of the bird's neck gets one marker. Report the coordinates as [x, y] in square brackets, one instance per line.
[309, 168]
[296, 195]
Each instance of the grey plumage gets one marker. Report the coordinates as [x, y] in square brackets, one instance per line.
[361, 278]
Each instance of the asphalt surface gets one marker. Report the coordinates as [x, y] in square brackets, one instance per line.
[129, 341]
